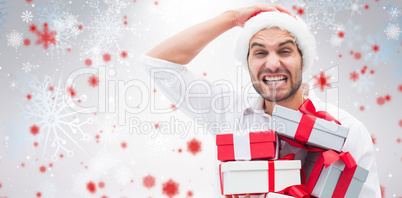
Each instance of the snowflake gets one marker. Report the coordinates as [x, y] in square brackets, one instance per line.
[27, 16]
[123, 175]
[364, 82]
[170, 188]
[115, 5]
[46, 37]
[322, 81]
[2, 14]
[47, 189]
[14, 39]
[13, 84]
[394, 12]
[67, 31]
[393, 31]
[336, 41]
[354, 76]
[50, 11]
[339, 27]
[57, 123]
[323, 12]
[148, 181]
[159, 145]
[354, 7]
[378, 49]
[27, 67]
[107, 28]
[352, 33]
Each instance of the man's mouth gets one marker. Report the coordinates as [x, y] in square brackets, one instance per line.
[275, 80]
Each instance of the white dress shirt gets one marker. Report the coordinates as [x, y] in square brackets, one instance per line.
[222, 110]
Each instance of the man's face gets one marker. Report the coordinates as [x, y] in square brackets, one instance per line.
[275, 64]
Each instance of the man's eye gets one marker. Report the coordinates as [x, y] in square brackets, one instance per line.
[285, 52]
[259, 53]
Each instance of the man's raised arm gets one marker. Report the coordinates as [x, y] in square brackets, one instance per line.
[184, 46]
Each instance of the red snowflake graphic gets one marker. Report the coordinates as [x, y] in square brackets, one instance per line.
[189, 194]
[38, 194]
[29, 96]
[123, 145]
[387, 98]
[322, 81]
[354, 76]
[148, 181]
[400, 88]
[300, 11]
[400, 123]
[194, 146]
[34, 129]
[373, 139]
[341, 34]
[380, 100]
[107, 57]
[88, 62]
[42, 169]
[170, 188]
[101, 184]
[366, 7]
[93, 81]
[172, 106]
[376, 48]
[27, 42]
[71, 91]
[45, 37]
[124, 54]
[358, 55]
[382, 188]
[91, 187]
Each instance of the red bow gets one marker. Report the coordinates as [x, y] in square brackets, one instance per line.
[298, 191]
[308, 108]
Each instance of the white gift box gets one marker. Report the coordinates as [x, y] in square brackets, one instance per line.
[325, 134]
[276, 195]
[241, 177]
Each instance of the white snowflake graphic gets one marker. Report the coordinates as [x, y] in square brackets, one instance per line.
[393, 31]
[115, 5]
[336, 41]
[27, 67]
[107, 28]
[352, 33]
[394, 12]
[27, 16]
[58, 124]
[158, 146]
[364, 82]
[355, 7]
[13, 84]
[14, 39]
[377, 48]
[321, 13]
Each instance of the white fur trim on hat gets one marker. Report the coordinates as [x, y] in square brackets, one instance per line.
[295, 26]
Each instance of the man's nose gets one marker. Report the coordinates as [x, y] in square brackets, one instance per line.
[273, 61]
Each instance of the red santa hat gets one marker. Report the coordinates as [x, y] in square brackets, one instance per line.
[292, 24]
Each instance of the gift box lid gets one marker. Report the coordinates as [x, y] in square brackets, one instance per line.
[361, 174]
[255, 137]
[320, 124]
[259, 165]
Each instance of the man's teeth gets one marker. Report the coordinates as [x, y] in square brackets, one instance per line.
[275, 79]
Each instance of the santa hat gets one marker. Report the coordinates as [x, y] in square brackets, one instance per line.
[292, 24]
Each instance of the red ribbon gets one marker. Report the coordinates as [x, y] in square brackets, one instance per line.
[347, 175]
[327, 158]
[298, 191]
[308, 119]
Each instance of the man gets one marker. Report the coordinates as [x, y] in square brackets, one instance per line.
[275, 47]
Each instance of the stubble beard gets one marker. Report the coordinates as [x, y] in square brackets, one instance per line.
[272, 95]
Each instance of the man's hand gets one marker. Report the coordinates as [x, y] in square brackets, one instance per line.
[240, 16]
[236, 196]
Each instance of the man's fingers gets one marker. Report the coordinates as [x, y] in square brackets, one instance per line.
[247, 196]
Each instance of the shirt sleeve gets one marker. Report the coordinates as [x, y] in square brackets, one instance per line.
[192, 94]
[360, 146]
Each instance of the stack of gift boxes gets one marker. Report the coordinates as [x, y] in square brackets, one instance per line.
[250, 163]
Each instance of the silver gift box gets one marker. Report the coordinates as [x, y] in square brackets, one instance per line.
[325, 134]
[329, 177]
